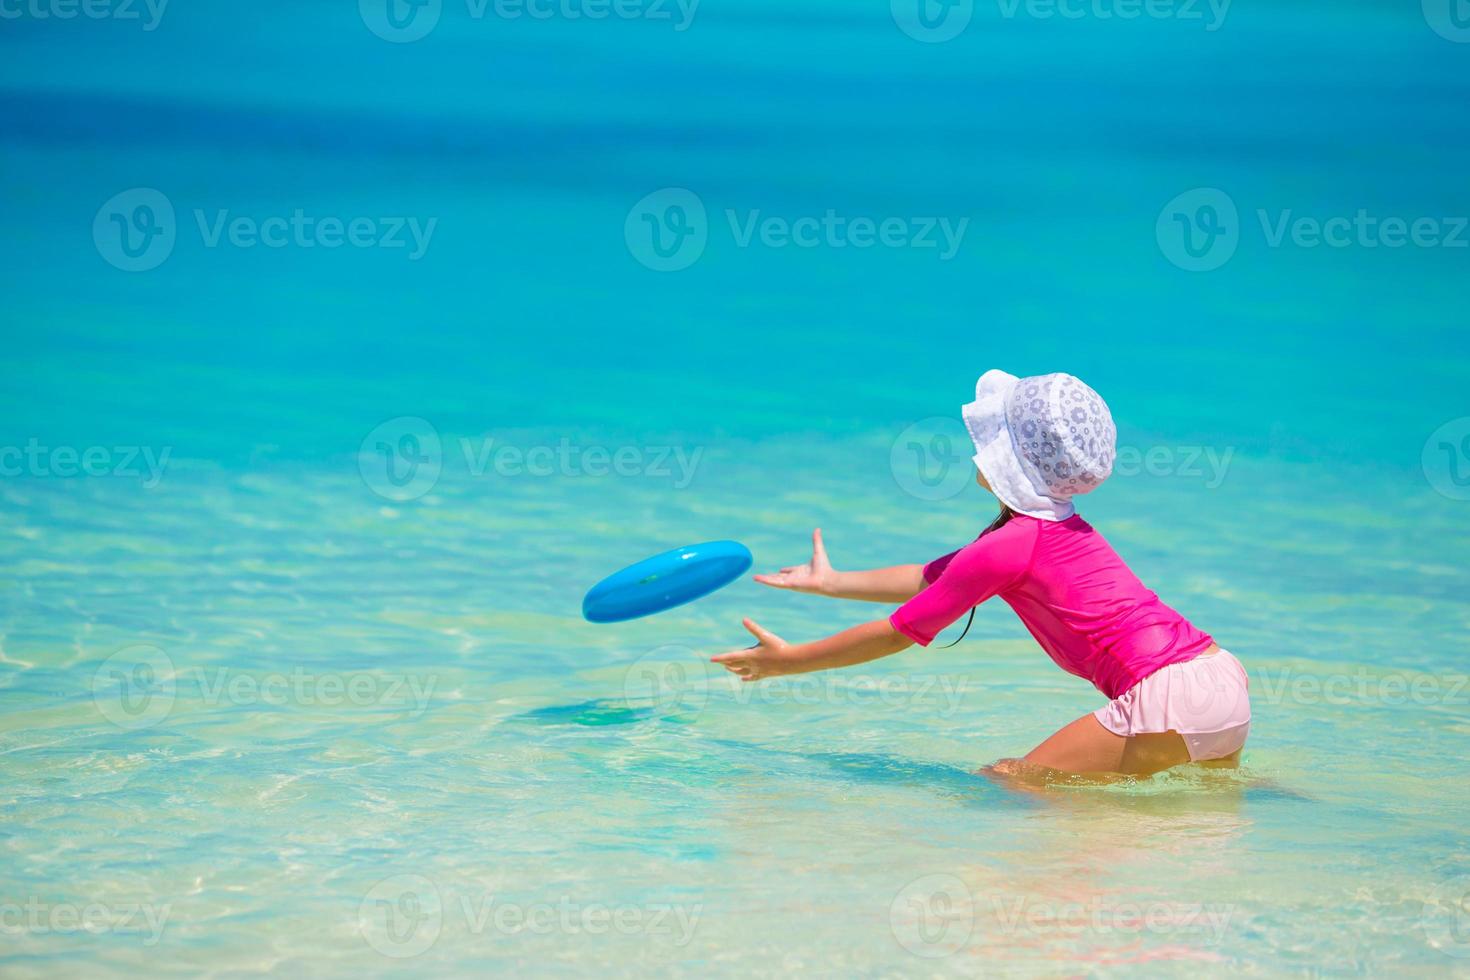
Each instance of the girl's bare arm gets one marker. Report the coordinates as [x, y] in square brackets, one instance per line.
[898, 583]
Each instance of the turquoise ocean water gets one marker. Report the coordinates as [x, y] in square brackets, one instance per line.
[292, 670]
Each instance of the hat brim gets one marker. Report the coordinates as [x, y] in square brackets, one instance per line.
[995, 450]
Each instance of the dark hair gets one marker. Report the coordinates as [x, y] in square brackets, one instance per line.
[1000, 521]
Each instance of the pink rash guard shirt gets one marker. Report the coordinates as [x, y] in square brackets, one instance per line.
[1076, 596]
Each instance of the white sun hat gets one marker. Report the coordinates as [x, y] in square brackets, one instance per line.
[1040, 441]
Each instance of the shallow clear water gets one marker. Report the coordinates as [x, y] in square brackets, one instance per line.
[265, 709]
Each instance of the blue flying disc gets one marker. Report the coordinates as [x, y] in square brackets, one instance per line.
[665, 581]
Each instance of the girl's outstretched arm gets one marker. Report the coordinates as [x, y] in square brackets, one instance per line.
[899, 583]
[772, 656]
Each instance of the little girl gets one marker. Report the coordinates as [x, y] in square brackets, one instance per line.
[1174, 695]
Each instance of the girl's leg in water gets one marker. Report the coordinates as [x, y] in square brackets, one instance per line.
[1086, 748]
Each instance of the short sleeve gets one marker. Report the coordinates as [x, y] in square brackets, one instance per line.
[963, 579]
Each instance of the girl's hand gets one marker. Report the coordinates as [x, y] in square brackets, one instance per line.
[770, 657]
[815, 576]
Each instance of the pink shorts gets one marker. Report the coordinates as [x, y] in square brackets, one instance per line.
[1206, 700]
